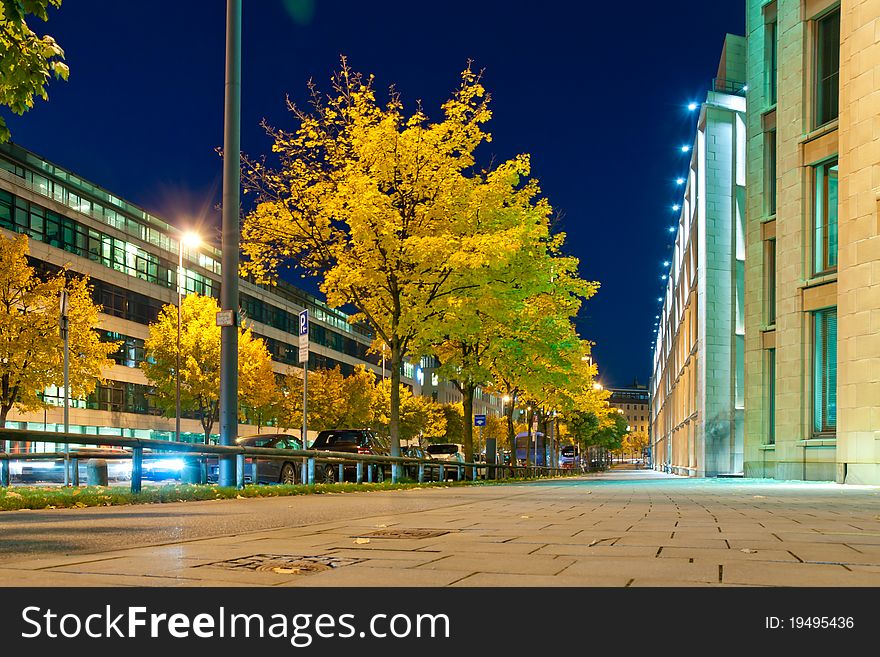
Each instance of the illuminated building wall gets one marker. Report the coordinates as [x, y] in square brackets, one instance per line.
[813, 277]
[697, 380]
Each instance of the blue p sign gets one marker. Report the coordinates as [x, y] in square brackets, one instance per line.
[304, 322]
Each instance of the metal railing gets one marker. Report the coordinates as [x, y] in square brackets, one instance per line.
[733, 87]
[367, 466]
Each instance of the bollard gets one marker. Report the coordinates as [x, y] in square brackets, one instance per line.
[359, 472]
[311, 471]
[74, 472]
[442, 473]
[239, 471]
[304, 471]
[475, 473]
[137, 468]
[96, 472]
[369, 473]
[341, 473]
[254, 479]
[421, 473]
[458, 476]
[395, 472]
[4, 472]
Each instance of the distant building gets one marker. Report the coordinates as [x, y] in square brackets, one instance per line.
[697, 382]
[635, 402]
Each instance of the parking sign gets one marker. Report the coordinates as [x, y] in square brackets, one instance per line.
[304, 336]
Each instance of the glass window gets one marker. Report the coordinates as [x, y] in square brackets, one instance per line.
[825, 217]
[770, 172]
[771, 61]
[827, 65]
[771, 396]
[825, 371]
[770, 280]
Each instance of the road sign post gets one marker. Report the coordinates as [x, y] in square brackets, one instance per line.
[304, 360]
[480, 421]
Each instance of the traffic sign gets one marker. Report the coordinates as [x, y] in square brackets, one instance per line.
[304, 336]
[479, 420]
[225, 318]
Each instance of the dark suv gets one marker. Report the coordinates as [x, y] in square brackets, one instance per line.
[353, 441]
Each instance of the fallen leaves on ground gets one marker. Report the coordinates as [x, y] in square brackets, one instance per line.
[361, 541]
[748, 551]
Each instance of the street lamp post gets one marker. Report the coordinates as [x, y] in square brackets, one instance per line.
[230, 240]
[190, 240]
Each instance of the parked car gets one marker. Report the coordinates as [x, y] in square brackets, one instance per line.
[416, 452]
[450, 454]
[353, 441]
[269, 471]
[52, 470]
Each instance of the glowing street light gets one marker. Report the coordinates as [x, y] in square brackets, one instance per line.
[679, 181]
[692, 107]
[597, 386]
[676, 207]
[665, 263]
[685, 149]
[188, 240]
[672, 229]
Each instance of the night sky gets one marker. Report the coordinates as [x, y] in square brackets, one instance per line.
[596, 92]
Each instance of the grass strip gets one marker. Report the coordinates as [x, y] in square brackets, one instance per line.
[38, 497]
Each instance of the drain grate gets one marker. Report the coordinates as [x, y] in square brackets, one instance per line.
[406, 533]
[285, 564]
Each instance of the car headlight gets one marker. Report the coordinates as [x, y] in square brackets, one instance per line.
[165, 464]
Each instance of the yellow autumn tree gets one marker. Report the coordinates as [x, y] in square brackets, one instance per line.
[335, 401]
[31, 347]
[386, 207]
[200, 360]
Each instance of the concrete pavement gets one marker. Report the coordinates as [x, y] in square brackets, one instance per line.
[622, 528]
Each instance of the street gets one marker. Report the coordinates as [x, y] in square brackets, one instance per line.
[621, 528]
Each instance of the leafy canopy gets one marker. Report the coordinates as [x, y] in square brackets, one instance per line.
[200, 361]
[26, 60]
[31, 346]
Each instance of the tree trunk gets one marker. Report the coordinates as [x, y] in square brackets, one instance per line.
[467, 390]
[395, 399]
[4, 411]
[511, 434]
[529, 438]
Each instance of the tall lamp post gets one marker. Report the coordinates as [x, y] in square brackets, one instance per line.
[187, 240]
[230, 240]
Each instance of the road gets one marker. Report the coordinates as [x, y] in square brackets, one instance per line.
[622, 528]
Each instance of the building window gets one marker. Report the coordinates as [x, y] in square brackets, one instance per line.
[827, 66]
[770, 172]
[771, 61]
[771, 396]
[825, 217]
[825, 371]
[770, 281]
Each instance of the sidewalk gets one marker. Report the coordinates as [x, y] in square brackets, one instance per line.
[620, 528]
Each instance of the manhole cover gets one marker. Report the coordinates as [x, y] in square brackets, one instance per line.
[285, 564]
[406, 533]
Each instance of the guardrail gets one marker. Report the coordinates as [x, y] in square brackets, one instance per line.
[367, 466]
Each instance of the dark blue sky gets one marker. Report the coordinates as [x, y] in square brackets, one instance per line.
[596, 92]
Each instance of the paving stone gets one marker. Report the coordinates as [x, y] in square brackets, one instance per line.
[494, 563]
